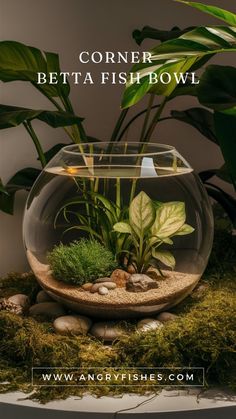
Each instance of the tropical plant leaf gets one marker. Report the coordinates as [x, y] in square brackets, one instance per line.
[178, 56]
[226, 133]
[199, 118]
[22, 62]
[152, 33]
[22, 180]
[214, 11]
[2, 188]
[217, 88]
[141, 213]
[170, 217]
[122, 227]
[165, 257]
[11, 116]
[185, 229]
[227, 202]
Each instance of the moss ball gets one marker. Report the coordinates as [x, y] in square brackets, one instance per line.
[81, 261]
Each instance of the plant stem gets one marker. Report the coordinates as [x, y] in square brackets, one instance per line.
[36, 142]
[147, 116]
[132, 120]
[155, 120]
[119, 124]
[118, 197]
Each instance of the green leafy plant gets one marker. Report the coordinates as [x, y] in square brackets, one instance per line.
[183, 52]
[81, 261]
[150, 225]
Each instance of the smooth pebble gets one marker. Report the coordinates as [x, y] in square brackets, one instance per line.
[72, 325]
[145, 325]
[47, 309]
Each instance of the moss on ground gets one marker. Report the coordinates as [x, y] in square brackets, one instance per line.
[203, 335]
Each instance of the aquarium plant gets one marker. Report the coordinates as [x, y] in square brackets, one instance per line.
[150, 225]
[81, 261]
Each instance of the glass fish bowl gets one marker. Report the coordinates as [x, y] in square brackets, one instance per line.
[143, 204]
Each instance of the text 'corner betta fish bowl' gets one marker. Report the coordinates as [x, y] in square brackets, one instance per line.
[118, 230]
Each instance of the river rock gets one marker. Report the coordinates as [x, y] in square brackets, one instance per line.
[72, 325]
[105, 279]
[120, 277]
[107, 331]
[108, 285]
[87, 286]
[103, 291]
[165, 317]
[145, 325]
[140, 283]
[43, 297]
[21, 300]
[47, 309]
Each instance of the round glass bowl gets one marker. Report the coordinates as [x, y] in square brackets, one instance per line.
[56, 210]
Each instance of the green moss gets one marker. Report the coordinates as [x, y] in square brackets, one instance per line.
[81, 261]
[203, 335]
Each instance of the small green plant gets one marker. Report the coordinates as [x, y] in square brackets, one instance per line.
[81, 261]
[150, 225]
[95, 214]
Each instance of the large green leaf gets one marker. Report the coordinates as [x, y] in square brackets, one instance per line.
[215, 11]
[165, 257]
[170, 217]
[141, 213]
[225, 126]
[22, 62]
[217, 88]
[178, 56]
[22, 180]
[199, 118]
[11, 116]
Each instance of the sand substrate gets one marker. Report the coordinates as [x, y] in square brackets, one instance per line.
[118, 303]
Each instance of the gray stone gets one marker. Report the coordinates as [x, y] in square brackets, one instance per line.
[105, 279]
[72, 325]
[145, 325]
[103, 290]
[140, 283]
[43, 297]
[47, 309]
[21, 300]
[108, 285]
[107, 331]
[165, 317]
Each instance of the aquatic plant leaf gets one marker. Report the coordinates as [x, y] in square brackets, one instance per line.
[122, 227]
[170, 217]
[165, 257]
[185, 229]
[141, 213]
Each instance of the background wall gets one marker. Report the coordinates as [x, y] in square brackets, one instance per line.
[68, 27]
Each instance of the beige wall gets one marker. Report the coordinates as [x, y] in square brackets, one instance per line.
[68, 27]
